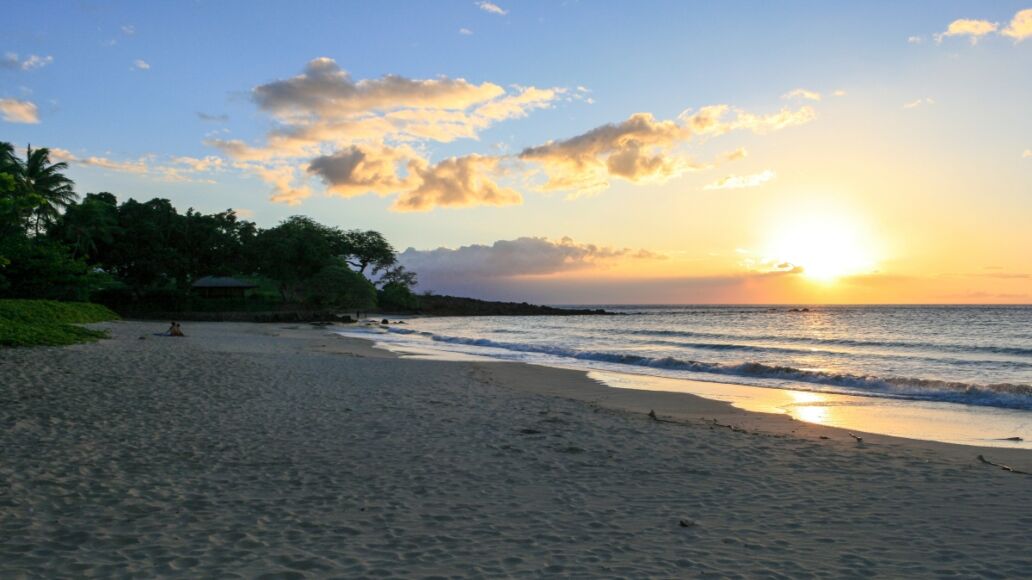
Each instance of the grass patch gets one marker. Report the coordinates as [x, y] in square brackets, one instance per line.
[49, 323]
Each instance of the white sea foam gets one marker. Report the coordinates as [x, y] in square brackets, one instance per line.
[977, 355]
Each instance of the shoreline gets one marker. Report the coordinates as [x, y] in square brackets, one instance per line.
[689, 407]
[246, 449]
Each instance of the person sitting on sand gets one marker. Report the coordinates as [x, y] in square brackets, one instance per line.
[175, 330]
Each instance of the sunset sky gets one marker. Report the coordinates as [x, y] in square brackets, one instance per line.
[569, 152]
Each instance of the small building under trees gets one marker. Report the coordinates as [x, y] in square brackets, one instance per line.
[221, 287]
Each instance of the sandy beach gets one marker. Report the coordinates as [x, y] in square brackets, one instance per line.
[248, 450]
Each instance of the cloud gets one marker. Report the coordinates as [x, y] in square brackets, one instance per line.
[138, 166]
[979, 295]
[1001, 275]
[34, 62]
[174, 170]
[974, 29]
[915, 39]
[19, 111]
[1027, 154]
[374, 136]
[491, 7]
[521, 257]
[757, 266]
[59, 154]
[140, 64]
[642, 148]
[324, 90]
[283, 179]
[361, 169]
[129, 30]
[10, 60]
[324, 107]
[213, 118]
[367, 136]
[802, 94]
[636, 150]
[919, 102]
[762, 124]
[710, 120]
[456, 182]
[736, 155]
[742, 181]
[208, 163]
[465, 32]
[1020, 26]
[839, 93]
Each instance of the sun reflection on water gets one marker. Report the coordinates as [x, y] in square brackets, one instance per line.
[808, 407]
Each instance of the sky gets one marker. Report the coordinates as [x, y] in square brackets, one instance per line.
[568, 152]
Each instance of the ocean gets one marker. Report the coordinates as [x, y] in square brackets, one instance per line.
[979, 356]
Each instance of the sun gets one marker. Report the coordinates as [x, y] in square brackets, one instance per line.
[825, 246]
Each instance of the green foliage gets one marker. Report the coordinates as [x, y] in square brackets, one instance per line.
[90, 227]
[363, 249]
[52, 312]
[41, 268]
[36, 176]
[340, 287]
[150, 246]
[398, 275]
[295, 251]
[139, 255]
[49, 323]
[398, 296]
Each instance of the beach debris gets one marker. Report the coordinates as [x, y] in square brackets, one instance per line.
[1015, 439]
[1002, 466]
[825, 437]
[728, 426]
[654, 417]
[858, 438]
[687, 523]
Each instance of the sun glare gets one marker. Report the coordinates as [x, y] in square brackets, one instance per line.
[824, 246]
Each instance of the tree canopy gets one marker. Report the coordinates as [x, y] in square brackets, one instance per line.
[52, 245]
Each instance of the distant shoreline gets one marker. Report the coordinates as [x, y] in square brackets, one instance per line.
[432, 305]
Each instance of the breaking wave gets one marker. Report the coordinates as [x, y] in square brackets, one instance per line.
[1008, 395]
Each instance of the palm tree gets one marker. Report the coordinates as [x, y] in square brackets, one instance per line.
[37, 176]
[7, 158]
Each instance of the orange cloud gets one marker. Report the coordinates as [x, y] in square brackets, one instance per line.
[644, 149]
[18, 111]
[456, 182]
[1020, 26]
[369, 126]
[742, 181]
[974, 29]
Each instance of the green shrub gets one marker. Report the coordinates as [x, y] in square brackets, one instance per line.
[340, 287]
[397, 296]
[49, 323]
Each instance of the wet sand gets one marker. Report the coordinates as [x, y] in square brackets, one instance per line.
[245, 450]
